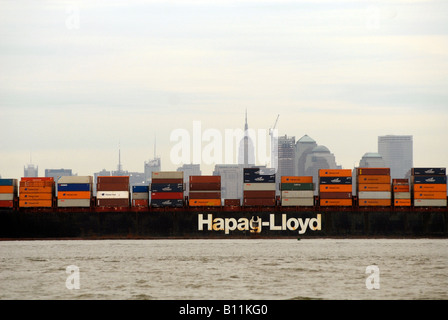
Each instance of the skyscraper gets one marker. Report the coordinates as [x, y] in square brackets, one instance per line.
[397, 152]
[286, 156]
[246, 151]
[304, 146]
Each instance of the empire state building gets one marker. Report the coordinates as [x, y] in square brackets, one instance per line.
[246, 152]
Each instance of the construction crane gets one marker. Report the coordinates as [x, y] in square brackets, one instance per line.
[273, 128]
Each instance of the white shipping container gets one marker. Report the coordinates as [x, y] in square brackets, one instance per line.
[402, 195]
[167, 175]
[6, 196]
[304, 202]
[75, 179]
[259, 187]
[374, 195]
[298, 194]
[140, 196]
[112, 195]
[66, 203]
[430, 202]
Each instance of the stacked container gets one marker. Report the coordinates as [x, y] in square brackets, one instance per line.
[429, 187]
[112, 191]
[297, 191]
[335, 187]
[36, 192]
[140, 196]
[258, 188]
[205, 191]
[373, 186]
[167, 189]
[401, 192]
[8, 191]
[74, 191]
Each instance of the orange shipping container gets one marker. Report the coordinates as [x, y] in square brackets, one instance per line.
[374, 187]
[204, 202]
[335, 202]
[430, 187]
[401, 188]
[374, 202]
[429, 195]
[35, 203]
[40, 189]
[6, 189]
[36, 196]
[37, 179]
[402, 202]
[335, 173]
[373, 179]
[335, 188]
[36, 184]
[297, 179]
[74, 195]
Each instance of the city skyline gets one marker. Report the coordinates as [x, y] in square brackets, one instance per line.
[81, 77]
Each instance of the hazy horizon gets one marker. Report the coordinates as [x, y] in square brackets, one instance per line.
[80, 78]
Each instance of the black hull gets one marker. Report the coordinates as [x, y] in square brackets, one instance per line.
[183, 223]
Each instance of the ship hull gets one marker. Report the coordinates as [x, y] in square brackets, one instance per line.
[184, 223]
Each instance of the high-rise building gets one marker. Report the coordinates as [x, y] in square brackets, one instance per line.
[304, 146]
[246, 151]
[231, 180]
[319, 158]
[56, 173]
[372, 160]
[151, 166]
[286, 155]
[31, 171]
[397, 152]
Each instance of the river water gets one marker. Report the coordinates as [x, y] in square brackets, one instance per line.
[225, 269]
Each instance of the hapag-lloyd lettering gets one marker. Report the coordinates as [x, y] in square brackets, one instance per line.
[255, 224]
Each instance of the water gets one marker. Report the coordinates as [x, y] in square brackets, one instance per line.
[225, 269]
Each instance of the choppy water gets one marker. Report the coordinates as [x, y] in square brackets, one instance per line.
[225, 269]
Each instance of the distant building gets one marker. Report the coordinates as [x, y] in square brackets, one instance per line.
[397, 152]
[31, 171]
[319, 158]
[246, 151]
[189, 170]
[150, 167]
[231, 180]
[56, 173]
[372, 160]
[286, 156]
[304, 146]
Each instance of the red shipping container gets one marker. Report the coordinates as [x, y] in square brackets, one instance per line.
[259, 202]
[158, 180]
[112, 179]
[205, 195]
[335, 195]
[374, 171]
[232, 202]
[205, 179]
[6, 203]
[167, 195]
[140, 203]
[205, 186]
[112, 187]
[259, 194]
[113, 202]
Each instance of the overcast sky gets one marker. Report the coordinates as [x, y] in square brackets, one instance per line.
[79, 77]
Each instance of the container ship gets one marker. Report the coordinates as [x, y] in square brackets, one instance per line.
[45, 208]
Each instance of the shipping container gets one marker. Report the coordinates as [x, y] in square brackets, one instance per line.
[335, 172]
[7, 189]
[376, 179]
[6, 203]
[297, 179]
[167, 181]
[205, 186]
[430, 187]
[42, 189]
[112, 195]
[297, 186]
[259, 178]
[161, 203]
[336, 202]
[428, 179]
[76, 179]
[205, 195]
[374, 195]
[205, 179]
[6, 196]
[140, 196]
[374, 187]
[335, 180]
[373, 171]
[430, 202]
[232, 202]
[335, 195]
[167, 187]
[402, 195]
[428, 171]
[259, 171]
[375, 202]
[39, 183]
[298, 194]
[167, 175]
[301, 202]
[335, 188]
[25, 203]
[112, 180]
[73, 203]
[402, 202]
[113, 202]
[140, 202]
[258, 194]
[204, 202]
[36, 196]
[429, 195]
[400, 181]
[401, 188]
[259, 202]
[259, 186]
[166, 195]
[140, 189]
[74, 187]
[8, 182]
[36, 179]
[74, 195]
[112, 187]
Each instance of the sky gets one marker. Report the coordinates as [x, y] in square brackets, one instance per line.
[81, 79]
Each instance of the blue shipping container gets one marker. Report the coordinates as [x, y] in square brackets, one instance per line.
[8, 182]
[140, 189]
[428, 171]
[160, 203]
[259, 178]
[167, 187]
[74, 187]
[335, 180]
[430, 179]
